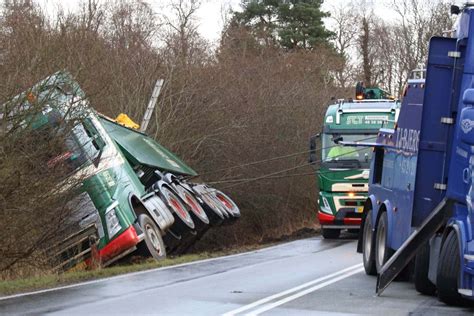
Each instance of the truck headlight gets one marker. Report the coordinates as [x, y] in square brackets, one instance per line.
[326, 208]
[112, 221]
[325, 202]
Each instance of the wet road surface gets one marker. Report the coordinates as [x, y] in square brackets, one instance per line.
[305, 277]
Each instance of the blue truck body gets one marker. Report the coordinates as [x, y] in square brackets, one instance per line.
[422, 173]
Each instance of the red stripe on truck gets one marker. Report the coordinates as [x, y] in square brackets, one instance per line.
[352, 221]
[121, 243]
[325, 219]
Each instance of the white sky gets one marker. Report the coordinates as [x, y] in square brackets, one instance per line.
[210, 15]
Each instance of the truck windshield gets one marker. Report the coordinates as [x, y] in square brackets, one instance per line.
[83, 145]
[346, 156]
[80, 146]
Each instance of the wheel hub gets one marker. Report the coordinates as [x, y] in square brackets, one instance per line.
[153, 238]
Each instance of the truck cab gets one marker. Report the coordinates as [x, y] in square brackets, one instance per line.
[343, 171]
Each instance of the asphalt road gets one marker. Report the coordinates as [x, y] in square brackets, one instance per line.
[305, 277]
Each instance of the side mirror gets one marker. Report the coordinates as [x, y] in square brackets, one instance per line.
[312, 148]
[468, 97]
[337, 139]
[455, 10]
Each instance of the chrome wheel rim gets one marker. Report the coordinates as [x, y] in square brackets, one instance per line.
[153, 238]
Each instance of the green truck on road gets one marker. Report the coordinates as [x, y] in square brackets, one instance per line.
[343, 171]
[137, 190]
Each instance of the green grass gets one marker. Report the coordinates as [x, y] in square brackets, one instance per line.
[45, 281]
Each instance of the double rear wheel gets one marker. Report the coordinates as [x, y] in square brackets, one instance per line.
[420, 275]
[368, 256]
[382, 251]
[448, 272]
[375, 248]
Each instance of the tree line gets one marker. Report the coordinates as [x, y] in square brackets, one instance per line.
[383, 50]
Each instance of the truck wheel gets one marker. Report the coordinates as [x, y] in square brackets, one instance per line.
[422, 264]
[448, 272]
[193, 204]
[177, 206]
[382, 251]
[329, 233]
[153, 243]
[228, 203]
[368, 246]
[212, 209]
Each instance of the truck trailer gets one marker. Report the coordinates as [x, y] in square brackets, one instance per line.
[419, 210]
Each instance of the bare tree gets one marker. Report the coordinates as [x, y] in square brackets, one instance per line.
[133, 24]
[418, 21]
[387, 51]
[345, 25]
[183, 31]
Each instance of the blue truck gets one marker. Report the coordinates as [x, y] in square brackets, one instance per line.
[419, 210]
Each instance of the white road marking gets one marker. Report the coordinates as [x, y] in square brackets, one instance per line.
[302, 293]
[337, 276]
[2, 298]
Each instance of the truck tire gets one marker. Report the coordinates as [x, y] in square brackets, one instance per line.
[193, 204]
[368, 256]
[420, 277]
[178, 208]
[448, 272]
[210, 205]
[382, 251]
[153, 242]
[227, 203]
[329, 233]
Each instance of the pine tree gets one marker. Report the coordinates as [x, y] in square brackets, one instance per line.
[290, 23]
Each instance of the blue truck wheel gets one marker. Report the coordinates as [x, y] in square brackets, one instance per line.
[448, 272]
[420, 277]
[368, 246]
[382, 251]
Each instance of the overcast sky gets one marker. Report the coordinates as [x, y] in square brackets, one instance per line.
[210, 16]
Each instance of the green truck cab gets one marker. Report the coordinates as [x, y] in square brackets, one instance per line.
[136, 188]
[343, 171]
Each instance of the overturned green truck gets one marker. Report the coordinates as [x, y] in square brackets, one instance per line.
[137, 192]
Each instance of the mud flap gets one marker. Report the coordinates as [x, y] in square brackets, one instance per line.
[437, 219]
